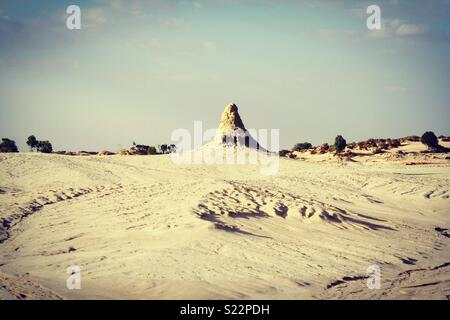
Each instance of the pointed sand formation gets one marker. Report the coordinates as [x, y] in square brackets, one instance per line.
[230, 118]
[232, 132]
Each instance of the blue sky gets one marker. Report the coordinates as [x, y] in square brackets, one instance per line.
[137, 70]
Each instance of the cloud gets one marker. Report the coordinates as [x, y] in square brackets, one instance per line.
[409, 21]
[398, 28]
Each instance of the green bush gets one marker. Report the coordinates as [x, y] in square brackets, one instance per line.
[163, 148]
[429, 139]
[44, 147]
[8, 145]
[339, 144]
[39, 145]
[32, 142]
[302, 146]
[284, 153]
[141, 149]
[412, 138]
[152, 150]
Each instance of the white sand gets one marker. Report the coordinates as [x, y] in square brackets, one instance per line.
[142, 227]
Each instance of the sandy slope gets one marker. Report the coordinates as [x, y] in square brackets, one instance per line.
[143, 227]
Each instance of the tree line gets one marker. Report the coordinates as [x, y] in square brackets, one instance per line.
[44, 146]
[7, 145]
[428, 138]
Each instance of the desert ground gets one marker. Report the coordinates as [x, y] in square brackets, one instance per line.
[142, 227]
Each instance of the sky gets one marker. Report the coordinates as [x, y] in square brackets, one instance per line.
[138, 70]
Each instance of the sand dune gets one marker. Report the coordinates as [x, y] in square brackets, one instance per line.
[143, 227]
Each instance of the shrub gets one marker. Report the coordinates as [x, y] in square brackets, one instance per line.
[284, 153]
[163, 148]
[362, 145]
[395, 143]
[32, 142]
[371, 143]
[151, 150]
[302, 146]
[8, 145]
[412, 138]
[323, 148]
[140, 149]
[44, 147]
[40, 146]
[429, 139]
[339, 144]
